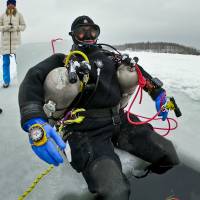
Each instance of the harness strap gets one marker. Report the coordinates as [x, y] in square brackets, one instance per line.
[112, 113]
[116, 119]
[101, 114]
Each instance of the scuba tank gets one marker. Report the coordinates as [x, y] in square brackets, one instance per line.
[128, 81]
[62, 85]
[126, 74]
[59, 92]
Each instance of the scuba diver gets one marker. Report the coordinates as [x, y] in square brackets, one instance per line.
[93, 99]
[1, 110]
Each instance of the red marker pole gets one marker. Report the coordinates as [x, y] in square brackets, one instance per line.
[53, 41]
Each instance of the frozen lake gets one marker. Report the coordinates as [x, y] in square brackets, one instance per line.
[19, 165]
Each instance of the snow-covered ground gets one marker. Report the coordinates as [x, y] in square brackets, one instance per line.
[19, 165]
[178, 72]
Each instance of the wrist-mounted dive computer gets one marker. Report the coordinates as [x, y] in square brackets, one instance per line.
[37, 134]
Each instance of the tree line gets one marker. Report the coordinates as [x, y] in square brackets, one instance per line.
[159, 47]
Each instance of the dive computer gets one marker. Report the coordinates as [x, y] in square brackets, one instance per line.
[37, 134]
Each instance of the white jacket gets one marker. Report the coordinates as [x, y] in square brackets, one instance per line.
[10, 28]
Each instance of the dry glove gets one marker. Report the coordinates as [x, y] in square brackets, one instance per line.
[160, 101]
[41, 137]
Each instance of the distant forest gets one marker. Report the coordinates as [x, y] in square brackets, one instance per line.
[159, 47]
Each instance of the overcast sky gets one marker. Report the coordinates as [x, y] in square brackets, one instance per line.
[120, 21]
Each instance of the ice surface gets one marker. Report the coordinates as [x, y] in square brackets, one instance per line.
[19, 165]
[178, 72]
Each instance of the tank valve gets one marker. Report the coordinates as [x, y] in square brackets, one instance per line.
[49, 108]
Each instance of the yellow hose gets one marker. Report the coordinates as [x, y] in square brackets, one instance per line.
[75, 52]
[67, 59]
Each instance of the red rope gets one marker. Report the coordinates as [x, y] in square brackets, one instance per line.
[142, 83]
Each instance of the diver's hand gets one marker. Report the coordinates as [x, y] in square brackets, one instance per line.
[41, 137]
[160, 101]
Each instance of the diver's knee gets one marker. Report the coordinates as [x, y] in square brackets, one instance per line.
[165, 164]
[108, 180]
[167, 160]
[166, 154]
[170, 157]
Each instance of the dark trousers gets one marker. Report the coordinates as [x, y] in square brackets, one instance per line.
[92, 145]
[143, 142]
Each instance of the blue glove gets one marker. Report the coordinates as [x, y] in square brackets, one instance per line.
[160, 101]
[47, 151]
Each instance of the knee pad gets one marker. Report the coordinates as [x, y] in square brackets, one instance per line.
[108, 180]
[169, 154]
[168, 158]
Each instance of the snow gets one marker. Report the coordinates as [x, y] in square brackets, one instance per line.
[178, 72]
[19, 165]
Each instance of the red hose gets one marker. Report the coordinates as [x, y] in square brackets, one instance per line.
[141, 83]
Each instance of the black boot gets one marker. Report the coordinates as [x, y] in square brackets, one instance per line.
[5, 85]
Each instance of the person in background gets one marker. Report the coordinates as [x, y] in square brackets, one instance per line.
[11, 25]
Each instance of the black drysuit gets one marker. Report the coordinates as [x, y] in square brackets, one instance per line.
[92, 142]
